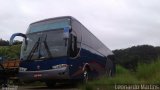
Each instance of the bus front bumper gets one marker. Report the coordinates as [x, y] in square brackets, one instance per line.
[43, 75]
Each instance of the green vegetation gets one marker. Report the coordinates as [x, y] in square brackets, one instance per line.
[10, 52]
[129, 58]
[145, 74]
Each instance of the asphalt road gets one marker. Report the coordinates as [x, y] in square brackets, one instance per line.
[57, 87]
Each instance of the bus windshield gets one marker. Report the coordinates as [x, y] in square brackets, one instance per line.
[42, 45]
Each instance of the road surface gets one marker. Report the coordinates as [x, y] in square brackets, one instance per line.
[57, 87]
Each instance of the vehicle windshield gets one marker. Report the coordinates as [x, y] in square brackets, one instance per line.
[42, 45]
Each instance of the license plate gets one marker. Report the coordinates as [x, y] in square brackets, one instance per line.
[37, 75]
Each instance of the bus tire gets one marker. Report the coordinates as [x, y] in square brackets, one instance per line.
[110, 68]
[108, 72]
[87, 75]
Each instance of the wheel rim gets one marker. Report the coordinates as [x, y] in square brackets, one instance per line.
[85, 76]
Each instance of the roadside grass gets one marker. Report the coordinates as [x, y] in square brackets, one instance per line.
[149, 73]
[145, 74]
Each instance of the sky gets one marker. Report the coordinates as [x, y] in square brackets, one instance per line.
[117, 23]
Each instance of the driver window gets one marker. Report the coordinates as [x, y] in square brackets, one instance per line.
[73, 46]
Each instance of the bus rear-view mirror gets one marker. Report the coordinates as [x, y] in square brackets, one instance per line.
[66, 33]
[17, 34]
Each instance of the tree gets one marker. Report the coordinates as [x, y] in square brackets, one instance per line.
[130, 57]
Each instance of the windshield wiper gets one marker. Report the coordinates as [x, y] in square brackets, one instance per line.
[33, 49]
[46, 47]
[37, 46]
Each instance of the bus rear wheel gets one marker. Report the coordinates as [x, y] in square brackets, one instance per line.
[108, 72]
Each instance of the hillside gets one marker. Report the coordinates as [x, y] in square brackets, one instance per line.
[131, 57]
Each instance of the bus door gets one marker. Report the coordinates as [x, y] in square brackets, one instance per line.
[74, 56]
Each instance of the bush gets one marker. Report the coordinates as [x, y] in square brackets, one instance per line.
[149, 73]
[11, 52]
[145, 74]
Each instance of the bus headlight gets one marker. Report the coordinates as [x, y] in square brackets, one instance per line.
[22, 69]
[59, 66]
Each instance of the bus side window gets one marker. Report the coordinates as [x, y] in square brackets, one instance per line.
[73, 46]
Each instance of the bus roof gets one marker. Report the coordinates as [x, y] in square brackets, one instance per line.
[55, 18]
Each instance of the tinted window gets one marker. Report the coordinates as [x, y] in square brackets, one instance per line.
[48, 25]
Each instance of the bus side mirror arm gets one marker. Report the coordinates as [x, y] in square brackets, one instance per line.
[17, 34]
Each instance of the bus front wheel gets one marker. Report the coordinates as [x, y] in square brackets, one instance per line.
[87, 75]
